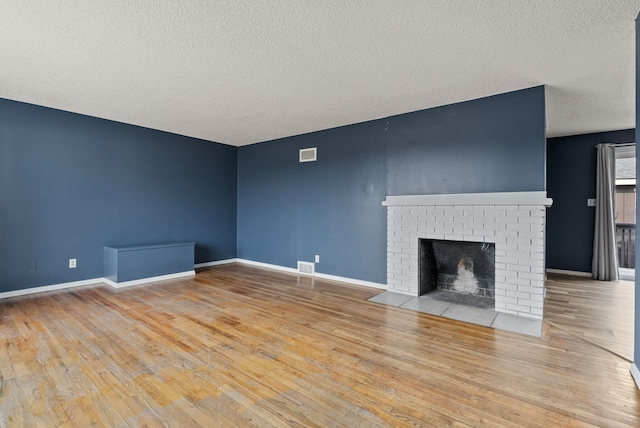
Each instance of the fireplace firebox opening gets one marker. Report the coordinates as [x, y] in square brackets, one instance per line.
[457, 271]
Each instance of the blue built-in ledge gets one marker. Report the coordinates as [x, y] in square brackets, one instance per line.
[139, 262]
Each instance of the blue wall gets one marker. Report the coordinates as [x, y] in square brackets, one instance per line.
[70, 184]
[571, 180]
[493, 144]
[288, 211]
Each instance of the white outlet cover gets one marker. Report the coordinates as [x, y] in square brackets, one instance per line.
[72, 263]
[591, 202]
[317, 259]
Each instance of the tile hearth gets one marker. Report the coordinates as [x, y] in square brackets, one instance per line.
[473, 315]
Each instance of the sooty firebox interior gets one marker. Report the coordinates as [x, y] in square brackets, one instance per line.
[458, 272]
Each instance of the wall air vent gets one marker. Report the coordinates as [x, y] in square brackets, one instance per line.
[309, 155]
[307, 268]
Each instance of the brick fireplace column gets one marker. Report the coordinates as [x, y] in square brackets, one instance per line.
[513, 221]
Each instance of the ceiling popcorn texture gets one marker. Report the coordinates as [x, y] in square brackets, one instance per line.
[245, 72]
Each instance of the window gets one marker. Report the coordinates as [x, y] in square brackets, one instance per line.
[626, 205]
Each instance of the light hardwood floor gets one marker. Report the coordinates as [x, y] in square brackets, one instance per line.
[242, 346]
[600, 312]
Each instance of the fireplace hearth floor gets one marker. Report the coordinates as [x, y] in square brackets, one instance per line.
[470, 314]
[461, 299]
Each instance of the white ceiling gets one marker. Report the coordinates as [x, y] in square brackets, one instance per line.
[240, 72]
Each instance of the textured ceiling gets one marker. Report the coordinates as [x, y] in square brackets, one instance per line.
[243, 72]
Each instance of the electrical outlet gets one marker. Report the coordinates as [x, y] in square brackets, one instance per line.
[72, 263]
[317, 258]
[591, 202]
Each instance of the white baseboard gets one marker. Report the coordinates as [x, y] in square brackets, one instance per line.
[570, 272]
[64, 285]
[317, 275]
[216, 263]
[52, 287]
[635, 373]
[267, 266]
[352, 281]
[627, 274]
[150, 279]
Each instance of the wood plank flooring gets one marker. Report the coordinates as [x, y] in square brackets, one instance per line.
[601, 312]
[242, 346]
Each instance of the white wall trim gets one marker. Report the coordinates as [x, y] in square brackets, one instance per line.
[496, 198]
[52, 287]
[351, 281]
[635, 373]
[216, 263]
[268, 266]
[150, 279]
[65, 285]
[627, 274]
[317, 275]
[569, 272]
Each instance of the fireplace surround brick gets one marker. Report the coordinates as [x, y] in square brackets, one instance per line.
[514, 222]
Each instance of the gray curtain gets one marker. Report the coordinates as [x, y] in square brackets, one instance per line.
[604, 265]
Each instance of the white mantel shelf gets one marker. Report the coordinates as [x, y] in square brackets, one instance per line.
[462, 199]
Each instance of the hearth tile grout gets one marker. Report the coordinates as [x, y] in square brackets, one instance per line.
[472, 315]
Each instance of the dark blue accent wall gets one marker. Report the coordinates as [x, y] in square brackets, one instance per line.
[70, 184]
[289, 211]
[493, 144]
[571, 180]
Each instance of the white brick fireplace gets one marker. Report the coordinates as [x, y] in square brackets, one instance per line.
[513, 221]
